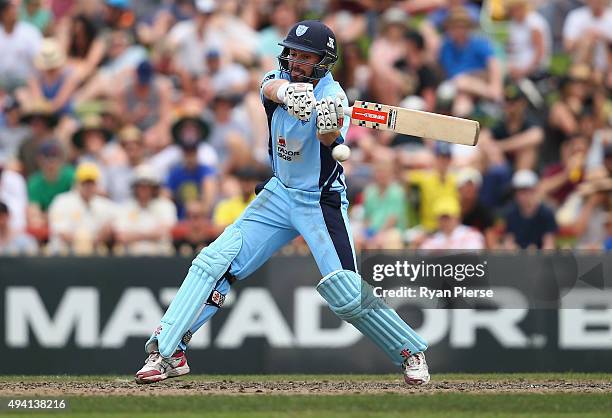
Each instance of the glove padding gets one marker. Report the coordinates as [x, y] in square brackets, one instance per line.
[300, 100]
[330, 114]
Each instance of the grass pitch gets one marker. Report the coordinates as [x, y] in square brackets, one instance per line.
[355, 396]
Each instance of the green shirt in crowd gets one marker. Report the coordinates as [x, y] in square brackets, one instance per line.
[43, 192]
[379, 208]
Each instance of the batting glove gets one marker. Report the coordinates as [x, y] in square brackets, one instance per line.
[299, 99]
[330, 114]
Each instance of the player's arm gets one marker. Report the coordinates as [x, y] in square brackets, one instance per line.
[270, 89]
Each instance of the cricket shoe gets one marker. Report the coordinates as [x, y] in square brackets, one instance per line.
[157, 368]
[415, 370]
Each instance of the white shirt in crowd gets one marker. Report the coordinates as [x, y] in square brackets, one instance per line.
[14, 194]
[191, 46]
[159, 213]
[462, 238]
[580, 20]
[69, 213]
[520, 48]
[18, 50]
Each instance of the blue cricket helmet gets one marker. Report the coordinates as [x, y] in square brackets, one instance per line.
[311, 36]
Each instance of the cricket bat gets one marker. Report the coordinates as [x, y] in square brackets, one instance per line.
[414, 122]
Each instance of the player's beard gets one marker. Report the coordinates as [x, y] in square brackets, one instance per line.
[298, 76]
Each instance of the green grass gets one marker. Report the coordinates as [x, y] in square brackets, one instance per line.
[392, 405]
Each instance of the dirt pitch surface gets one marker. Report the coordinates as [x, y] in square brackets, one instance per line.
[299, 385]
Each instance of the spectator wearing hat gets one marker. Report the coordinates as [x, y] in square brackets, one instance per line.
[230, 209]
[121, 176]
[529, 223]
[189, 123]
[80, 220]
[118, 14]
[14, 242]
[54, 81]
[144, 223]
[41, 120]
[91, 143]
[469, 63]
[189, 179]
[53, 178]
[146, 102]
[516, 135]
[19, 43]
[586, 32]
[529, 43]
[473, 212]
[434, 184]
[12, 131]
[14, 194]
[451, 234]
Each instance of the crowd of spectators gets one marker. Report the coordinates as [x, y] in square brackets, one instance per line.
[136, 126]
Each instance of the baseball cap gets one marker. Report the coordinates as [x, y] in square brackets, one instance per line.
[206, 6]
[443, 149]
[395, 15]
[446, 206]
[129, 133]
[145, 72]
[524, 179]
[87, 172]
[467, 175]
[50, 149]
[119, 4]
[213, 54]
[146, 174]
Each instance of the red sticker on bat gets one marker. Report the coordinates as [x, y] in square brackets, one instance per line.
[369, 115]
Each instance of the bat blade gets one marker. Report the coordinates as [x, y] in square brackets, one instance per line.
[414, 122]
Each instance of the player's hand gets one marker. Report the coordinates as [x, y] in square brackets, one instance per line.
[299, 99]
[330, 114]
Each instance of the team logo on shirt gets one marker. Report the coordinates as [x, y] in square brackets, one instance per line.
[284, 152]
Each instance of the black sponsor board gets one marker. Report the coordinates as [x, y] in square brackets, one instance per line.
[93, 315]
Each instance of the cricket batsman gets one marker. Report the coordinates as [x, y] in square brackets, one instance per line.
[306, 196]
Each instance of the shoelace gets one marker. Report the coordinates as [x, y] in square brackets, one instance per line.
[152, 357]
[413, 361]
